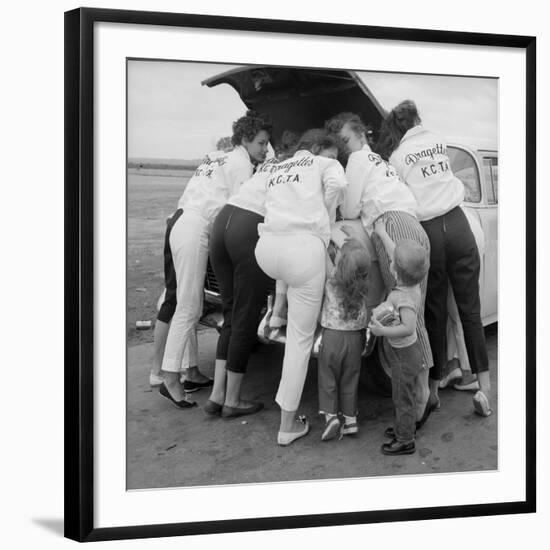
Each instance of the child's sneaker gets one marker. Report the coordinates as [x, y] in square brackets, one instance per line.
[469, 382]
[452, 374]
[481, 404]
[332, 428]
[350, 428]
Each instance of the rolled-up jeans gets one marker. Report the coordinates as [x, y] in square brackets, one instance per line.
[299, 261]
[189, 244]
[406, 366]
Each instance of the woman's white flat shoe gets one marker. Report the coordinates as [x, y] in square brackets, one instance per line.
[286, 438]
[155, 380]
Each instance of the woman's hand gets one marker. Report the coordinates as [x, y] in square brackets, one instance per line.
[380, 227]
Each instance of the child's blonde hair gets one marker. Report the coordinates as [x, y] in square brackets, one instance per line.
[351, 277]
[411, 262]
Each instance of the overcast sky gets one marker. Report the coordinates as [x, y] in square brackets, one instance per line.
[170, 115]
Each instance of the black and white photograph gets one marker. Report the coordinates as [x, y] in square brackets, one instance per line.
[312, 274]
[274, 275]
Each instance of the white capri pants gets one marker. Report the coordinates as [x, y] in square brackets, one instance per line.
[191, 353]
[189, 243]
[299, 261]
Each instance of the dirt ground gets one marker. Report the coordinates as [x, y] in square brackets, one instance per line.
[168, 447]
[151, 199]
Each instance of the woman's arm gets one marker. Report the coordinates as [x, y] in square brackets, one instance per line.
[356, 175]
[396, 162]
[237, 170]
[334, 182]
[405, 328]
[380, 230]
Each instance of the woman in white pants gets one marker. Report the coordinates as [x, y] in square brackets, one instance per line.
[215, 180]
[302, 194]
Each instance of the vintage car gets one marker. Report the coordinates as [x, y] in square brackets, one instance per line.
[299, 99]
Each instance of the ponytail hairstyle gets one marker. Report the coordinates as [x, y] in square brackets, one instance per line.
[399, 121]
[351, 277]
[249, 125]
[315, 140]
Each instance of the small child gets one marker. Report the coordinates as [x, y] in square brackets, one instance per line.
[410, 263]
[344, 320]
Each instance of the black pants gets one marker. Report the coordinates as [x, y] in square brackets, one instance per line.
[168, 307]
[243, 284]
[454, 257]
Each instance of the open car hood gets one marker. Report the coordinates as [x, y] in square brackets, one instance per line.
[299, 99]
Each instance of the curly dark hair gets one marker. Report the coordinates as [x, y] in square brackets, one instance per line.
[399, 121]
[249, 125]
[316, 140]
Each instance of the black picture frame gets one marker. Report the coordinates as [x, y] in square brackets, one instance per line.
[79, 269]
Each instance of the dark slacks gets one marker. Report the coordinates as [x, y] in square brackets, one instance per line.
[243, 285]
[454, 257]
[406, 364]
[339, 366]
[168, 307]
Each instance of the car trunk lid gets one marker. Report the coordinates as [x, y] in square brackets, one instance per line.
[298, 99]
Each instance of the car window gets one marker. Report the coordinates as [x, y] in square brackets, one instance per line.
[465, 169]
[490, 170]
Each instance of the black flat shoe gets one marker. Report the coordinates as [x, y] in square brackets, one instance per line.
[212, 408]
[190, 386]
[431, 405]
[397, 448]
[234, 412]
[183, 404]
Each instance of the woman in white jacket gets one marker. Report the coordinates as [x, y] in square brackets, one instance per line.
[420, 157]
[215, 180]
[302, 194]
[376, 192]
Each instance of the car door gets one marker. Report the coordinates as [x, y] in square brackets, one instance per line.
[488, 215]
[478, 172]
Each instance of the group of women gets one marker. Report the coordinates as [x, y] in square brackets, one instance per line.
[260, 219]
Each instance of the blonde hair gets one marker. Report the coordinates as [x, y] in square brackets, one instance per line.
[351, 277]
[411, 262]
